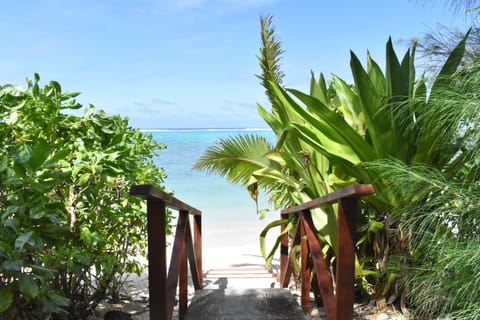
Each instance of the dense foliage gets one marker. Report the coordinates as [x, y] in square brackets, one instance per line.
[68, 230]
[439, 208]
[415, 139]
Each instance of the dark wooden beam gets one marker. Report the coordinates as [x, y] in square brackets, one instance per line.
[351, 191]
[147, 191]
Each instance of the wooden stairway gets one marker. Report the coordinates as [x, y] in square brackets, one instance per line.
[231, 303]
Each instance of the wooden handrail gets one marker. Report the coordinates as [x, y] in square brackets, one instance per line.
[338, 302]
[162, 285]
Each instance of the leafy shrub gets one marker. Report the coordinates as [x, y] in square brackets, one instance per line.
[68, 231]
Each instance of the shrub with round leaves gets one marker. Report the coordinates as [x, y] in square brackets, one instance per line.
[69, 233]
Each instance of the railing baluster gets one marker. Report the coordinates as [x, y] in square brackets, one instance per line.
[192, 260]
[197, 243]
[284, 260]
[305, 270]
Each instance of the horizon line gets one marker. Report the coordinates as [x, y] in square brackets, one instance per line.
[203, 129]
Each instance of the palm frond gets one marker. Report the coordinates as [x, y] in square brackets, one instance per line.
[236, 158]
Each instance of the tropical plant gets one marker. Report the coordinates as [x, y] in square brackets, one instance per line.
[68, 232]
[441, 218]
[326, 138]
[290, 172]
[439, 208]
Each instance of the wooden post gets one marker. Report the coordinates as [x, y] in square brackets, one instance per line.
[157, 258]
[183, 281]
[345, 258]
[163, 285]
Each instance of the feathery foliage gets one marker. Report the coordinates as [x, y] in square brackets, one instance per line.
[270, 56]
[442, 218]
[439, 207]
[237, 158]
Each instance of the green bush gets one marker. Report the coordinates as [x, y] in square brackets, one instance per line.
[69, 233]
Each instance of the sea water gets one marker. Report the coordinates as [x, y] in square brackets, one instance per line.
[227, 209]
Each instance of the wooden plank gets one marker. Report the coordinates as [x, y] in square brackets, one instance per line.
[192, 259]
[351, 191]
[147, 191]
[323, 279]
[175, 263]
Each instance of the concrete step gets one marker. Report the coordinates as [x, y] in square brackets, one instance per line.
[244, 304]
[231, 278]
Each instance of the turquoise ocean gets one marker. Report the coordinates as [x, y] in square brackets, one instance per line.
[226, 208]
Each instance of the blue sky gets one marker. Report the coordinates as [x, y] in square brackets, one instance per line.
[191, 63]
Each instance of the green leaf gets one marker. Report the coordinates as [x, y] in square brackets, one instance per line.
[23, 239]
[37, 212]
[12, 266]
[89, 237]
[451, 65]
[370, 102]
[83, 179]
[39, 154]
[319, 89]
[332, 126]
[43, 272]
[9, 210]
[28, 286]
[6, 298]
[289, 226]
[3, 163]
[56, 86]
[59, 300]
[397, 75]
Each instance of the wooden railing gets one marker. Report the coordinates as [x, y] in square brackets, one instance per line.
[163, 285]
[338, 301]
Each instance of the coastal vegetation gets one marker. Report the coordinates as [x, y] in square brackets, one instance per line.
[69, 236]
[68, 233]
[414, 138]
